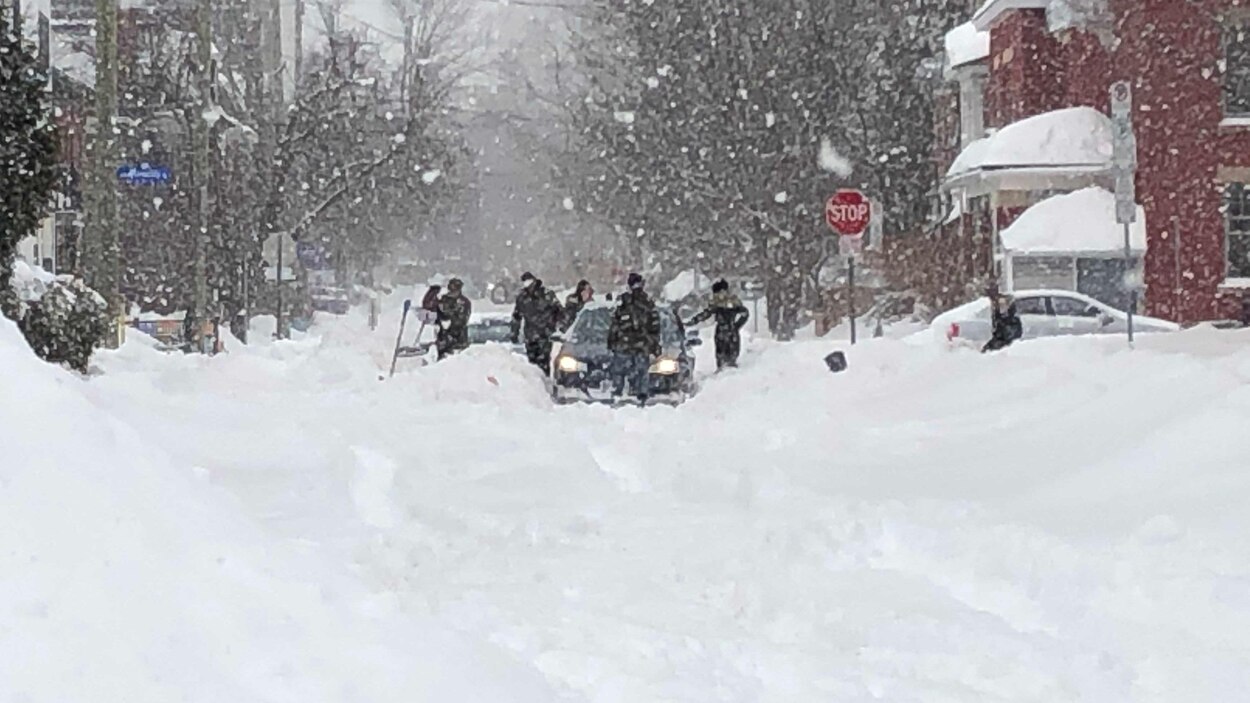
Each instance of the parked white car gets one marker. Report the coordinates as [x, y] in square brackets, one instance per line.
[1044, 313]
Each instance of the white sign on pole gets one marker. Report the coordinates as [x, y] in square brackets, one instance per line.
[1124, 152]
[1124, 162]
[851, 246]
[269, 252]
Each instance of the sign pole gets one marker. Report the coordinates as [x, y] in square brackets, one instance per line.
[850, 283]
[247, 303]
[848, 213]
[1124, 162]
[278, 330]
[1128, 267]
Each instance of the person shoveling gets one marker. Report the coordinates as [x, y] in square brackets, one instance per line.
[427, 315]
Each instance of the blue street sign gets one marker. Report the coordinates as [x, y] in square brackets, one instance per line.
[144, 174]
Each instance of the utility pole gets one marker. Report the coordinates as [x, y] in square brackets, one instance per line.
[272, 87]
[200, 166]
[299, 43]
[104, 248]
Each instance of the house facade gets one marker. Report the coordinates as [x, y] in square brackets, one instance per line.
[1043, 77]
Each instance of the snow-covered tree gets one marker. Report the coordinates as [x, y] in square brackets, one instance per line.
[356, 156]
[28, 168]
[705, 130]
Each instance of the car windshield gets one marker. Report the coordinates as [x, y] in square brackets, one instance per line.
[591, 328]
[485, 331]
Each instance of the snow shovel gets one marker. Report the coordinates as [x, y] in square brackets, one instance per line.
[400, 339]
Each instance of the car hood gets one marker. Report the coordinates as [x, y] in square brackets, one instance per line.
[599, 353]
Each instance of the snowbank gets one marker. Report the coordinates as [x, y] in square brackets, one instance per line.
[1083, 221]
[1064, 521]
[966, 44]
[129, 578]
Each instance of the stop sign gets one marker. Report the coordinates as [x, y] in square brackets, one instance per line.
[848, 212]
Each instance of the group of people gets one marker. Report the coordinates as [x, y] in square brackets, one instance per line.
[634, 337]
[538, 315]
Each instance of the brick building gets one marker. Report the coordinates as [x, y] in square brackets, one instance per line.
[1033, 79]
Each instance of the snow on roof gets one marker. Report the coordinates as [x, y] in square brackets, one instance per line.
[1079, 14]
[1083, 221]
[970, 158]
[966, 44]
[993, 9]
[1074, 138]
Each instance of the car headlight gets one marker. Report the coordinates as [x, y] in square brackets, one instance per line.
[568, 364]
[665, 367]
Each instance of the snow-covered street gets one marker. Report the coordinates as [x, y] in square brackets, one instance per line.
[1062, 522]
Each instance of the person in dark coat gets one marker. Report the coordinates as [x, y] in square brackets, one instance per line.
[536, 315]
[634, 339]
[428, 313]
[1007, 326]
[730, 316]
[454, 311]
[575, 302]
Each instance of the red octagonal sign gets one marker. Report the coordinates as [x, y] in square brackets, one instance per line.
[848, 212]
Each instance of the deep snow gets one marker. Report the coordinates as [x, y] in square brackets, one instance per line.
[1061, 522]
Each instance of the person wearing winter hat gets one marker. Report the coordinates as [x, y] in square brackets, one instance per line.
[634, 339]
[537, 313]
[730, 316]
[454, 311]
[574, 303]
[428, 313]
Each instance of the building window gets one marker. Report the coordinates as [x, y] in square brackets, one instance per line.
[1237, 230]
[1237, 68]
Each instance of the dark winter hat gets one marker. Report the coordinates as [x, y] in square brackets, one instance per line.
[720, 286]
[455, 285]
[635, 281]
[527, 277]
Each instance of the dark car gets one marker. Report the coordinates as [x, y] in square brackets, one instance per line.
[583, 366]
[484, 328]
[332, 299]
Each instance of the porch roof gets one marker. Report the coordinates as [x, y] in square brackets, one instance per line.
[966, 44]
[1082, 222]
[1063, 149]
